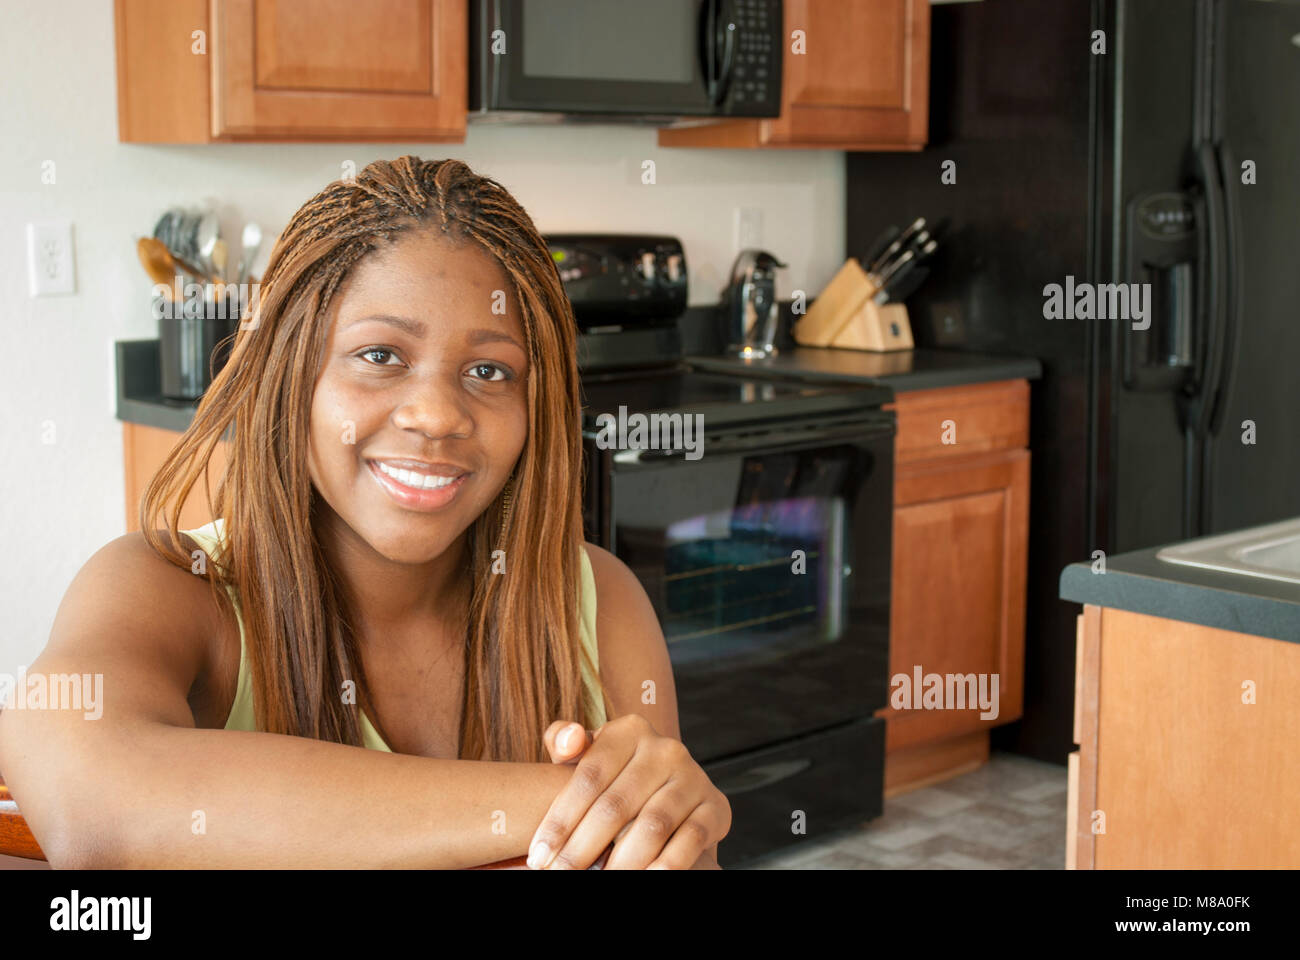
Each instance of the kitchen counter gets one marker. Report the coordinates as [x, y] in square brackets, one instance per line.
[903, 370]
[1182, 694]
[1141, 583]
[139, 389]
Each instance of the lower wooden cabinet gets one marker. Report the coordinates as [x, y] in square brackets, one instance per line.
[143, 451]
[1186, 756]
[961, 527]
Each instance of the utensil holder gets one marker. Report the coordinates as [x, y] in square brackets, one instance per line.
[194, 342]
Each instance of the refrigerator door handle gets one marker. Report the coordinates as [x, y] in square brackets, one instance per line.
[1232, 293]
[1213, 311]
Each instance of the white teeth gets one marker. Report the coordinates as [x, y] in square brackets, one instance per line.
[420, 481]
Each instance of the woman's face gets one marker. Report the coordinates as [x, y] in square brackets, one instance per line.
[421, 408]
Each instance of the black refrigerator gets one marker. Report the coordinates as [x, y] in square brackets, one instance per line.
[1151, 142]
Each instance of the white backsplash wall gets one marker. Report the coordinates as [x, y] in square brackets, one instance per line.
[61, 501]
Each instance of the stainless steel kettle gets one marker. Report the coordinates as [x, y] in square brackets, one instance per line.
[751, 304]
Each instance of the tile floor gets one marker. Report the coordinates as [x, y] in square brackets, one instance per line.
[1007, 815]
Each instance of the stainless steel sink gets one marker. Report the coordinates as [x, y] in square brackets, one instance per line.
[1270, 552]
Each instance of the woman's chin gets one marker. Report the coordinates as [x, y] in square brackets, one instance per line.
[404, 546]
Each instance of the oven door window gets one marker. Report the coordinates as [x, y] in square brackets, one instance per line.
[769, 570]
[745, 559]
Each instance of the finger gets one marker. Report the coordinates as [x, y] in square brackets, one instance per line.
[597, 769]
[645, 838]
[697, 833]
[611, 811]
[565, 741]
[708, 860]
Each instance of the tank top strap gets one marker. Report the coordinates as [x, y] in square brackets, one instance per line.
[587, 630]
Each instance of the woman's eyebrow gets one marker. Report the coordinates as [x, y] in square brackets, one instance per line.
[487, 335]
[417, 328]
[414, 327]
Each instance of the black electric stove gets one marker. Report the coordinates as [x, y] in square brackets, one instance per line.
[757, 514]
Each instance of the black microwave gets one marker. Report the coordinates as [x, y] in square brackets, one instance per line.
[624, 59]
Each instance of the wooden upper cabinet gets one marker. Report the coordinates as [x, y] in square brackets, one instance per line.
[862, 82]
[194, 71]
[337, 67]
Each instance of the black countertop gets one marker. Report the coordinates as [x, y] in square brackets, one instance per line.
[903, 370]
[1141, 583]
[139, 389]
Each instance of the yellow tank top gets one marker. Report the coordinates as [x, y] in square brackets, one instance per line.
[210, 537]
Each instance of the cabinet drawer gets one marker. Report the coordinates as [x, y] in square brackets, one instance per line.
[955, 421]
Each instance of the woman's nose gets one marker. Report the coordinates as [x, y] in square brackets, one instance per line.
[435, 408]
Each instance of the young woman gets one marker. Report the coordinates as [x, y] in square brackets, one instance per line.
[396, 564]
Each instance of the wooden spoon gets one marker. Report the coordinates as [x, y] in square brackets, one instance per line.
[162, 265]
[159, 273]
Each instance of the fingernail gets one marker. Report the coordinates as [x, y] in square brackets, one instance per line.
[566, 735]
[538, 855]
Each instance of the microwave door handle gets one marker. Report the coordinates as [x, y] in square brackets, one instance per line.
[719, 81]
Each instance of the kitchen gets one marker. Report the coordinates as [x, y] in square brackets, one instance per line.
[928, 494]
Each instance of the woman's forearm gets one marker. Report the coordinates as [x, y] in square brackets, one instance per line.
[166, 796]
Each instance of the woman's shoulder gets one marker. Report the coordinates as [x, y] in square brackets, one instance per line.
[632, 647]
[611, 575]
[126, 596]
[623, 610]
[178, 594]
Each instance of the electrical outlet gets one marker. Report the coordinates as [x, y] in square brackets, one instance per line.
[749, 228]
[49, 258]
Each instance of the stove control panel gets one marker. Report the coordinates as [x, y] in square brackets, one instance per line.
[623, 279]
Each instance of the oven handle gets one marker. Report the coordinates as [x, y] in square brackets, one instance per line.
[775, 441]
[756, 778]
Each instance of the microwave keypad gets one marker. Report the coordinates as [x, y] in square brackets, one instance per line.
[754, 51]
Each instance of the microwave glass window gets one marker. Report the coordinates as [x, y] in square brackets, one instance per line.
[619, 40]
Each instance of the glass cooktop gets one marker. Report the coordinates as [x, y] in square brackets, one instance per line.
[723, 398]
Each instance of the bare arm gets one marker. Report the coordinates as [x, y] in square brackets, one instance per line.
[132, 788]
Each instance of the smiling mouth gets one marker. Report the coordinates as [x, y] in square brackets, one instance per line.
[416, 479]
[417, 489]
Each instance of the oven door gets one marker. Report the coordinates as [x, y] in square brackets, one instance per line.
[768, 563]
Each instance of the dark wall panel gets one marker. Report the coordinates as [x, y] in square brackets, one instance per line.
[1009, 102]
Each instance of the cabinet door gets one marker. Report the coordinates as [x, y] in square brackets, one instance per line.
[325, 69]
[861, 81]
[864, 77]
[958, 597]
[144, 449]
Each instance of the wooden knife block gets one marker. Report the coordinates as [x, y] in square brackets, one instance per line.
[844, 315]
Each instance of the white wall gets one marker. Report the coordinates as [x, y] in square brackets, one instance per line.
[61, 501]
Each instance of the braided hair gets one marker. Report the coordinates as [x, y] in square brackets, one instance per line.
[523, 654]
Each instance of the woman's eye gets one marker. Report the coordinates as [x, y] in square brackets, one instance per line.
[380, 350]
[488, 371]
